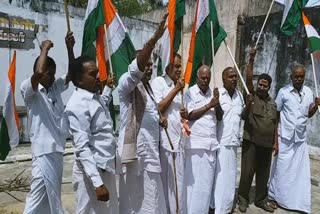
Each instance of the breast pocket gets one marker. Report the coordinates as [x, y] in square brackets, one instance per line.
[258, 111]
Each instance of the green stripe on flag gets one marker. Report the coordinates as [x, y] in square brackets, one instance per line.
[122, 58]
[4, 140]
[314, 43]
[293, 18]
[218, 33]
[180, 12]
[94, 20]
[203, 49]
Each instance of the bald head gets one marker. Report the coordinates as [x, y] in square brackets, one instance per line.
[203, 69]
[204, 77]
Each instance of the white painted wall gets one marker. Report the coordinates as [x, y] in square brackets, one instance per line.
[139, 31]
[25, 59]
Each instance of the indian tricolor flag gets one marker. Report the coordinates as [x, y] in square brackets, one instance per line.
[9, 132]
[171, 39]
[314, 44]
[313, 36]
[200, 51]
[94, 44]
[291, 15]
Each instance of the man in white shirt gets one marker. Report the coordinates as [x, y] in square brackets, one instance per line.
[201, 147]
[140, 187]
[91, 127]
[166, 91]
[290, 184]
[42, 96]
[228, 135]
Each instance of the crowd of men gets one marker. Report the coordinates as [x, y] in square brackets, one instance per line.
[161, 169]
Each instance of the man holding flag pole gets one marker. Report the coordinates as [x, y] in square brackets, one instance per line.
[207, 35]
[290, 185]
[140, 187]
[42, 96]
[166, 91]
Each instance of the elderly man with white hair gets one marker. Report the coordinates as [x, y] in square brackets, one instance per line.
[204, 110]
[290, 185]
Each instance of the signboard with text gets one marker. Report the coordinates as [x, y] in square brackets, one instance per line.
[16, 32]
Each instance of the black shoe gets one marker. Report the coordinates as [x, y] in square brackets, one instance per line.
[265, 207]
[211, 211]
[243, 207]
[243, 204]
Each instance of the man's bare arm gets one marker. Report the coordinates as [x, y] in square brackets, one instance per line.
[41, 65]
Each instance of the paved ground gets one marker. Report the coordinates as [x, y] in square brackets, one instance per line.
[20, 160]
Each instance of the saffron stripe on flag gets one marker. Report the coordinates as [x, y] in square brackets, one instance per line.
[313, 36]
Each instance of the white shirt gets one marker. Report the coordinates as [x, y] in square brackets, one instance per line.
[91, 126]
[294, 110]
[228, 132]
[149, 134]
[47, 121]
[204, 130]
[162, 86]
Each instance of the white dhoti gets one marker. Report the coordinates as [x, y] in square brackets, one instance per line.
[168, 180]
[198, 180]
[290, 184]
[223, 190]
[141, 194]
[86, 198]
[45, 194]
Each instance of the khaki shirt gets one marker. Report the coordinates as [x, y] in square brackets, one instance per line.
[259, 127]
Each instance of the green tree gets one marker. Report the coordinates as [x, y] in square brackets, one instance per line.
[130, 8]
[127, 8]
[78, 3]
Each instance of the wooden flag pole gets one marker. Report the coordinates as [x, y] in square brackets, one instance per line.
[36, 30]
[149, 91]
[264, 23]
[182, 67]
[67, 15]
[174, 165]
[108, 48]
[212, 49]
[315, 78]
[238, 70]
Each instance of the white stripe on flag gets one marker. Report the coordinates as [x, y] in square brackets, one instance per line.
[311, 3]
[288, 5]
[116, 35]
[311, 32]
[165, 50]
[92, 4]
[9, 117]
[202, 13]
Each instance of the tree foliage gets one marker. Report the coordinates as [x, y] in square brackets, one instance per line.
[127, 8]
[78, 3]
[130, 8]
